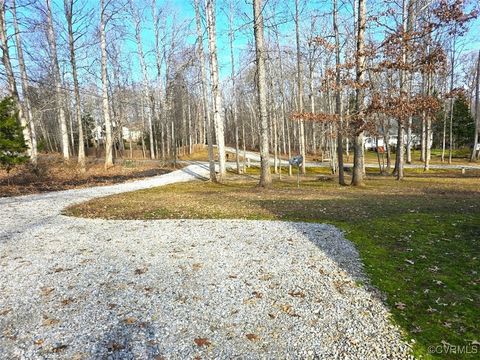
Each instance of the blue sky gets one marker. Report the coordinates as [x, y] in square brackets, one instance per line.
[185, 13]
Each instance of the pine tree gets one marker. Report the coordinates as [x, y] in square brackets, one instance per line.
[12, 144]
[463, 124]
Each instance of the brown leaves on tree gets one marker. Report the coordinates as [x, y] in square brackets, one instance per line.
[317, 117]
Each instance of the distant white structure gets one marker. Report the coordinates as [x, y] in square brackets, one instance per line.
[131, 134]
[371, 142]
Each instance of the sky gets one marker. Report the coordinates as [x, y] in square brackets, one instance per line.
[242, 23]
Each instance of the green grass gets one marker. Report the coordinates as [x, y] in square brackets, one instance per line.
[419, 239]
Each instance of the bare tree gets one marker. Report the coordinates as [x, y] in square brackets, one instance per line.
[203, 85]
[338, 96]
[477, 111]
[52, 43]
[69, 13]
[29, 129]
[105, 97]
[301, 124]
[265, 178]
[358, 160]
[143, 65]
[215, 83]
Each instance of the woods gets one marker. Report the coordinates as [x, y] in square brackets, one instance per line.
[281, 78]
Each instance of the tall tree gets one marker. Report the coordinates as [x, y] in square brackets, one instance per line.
[59, 96]
[69, 11]
[360, 64]
[143, 65]
[218, 113]
[12, 85]
[29, 130]
[105, 98]
[338, 96]
[203, 85]
[477, 111]
[234, 90]
[301, 124]
[265, 177]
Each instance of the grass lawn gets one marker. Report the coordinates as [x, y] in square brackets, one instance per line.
[419, 238]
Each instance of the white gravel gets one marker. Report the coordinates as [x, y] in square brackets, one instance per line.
[75, 288]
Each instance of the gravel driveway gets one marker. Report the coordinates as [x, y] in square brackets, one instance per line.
[87, 288]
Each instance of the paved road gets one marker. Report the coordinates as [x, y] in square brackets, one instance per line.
[74, 288]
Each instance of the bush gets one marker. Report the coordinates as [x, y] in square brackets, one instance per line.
[12, 143]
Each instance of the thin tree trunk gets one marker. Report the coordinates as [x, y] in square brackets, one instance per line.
[477, 112]
[215, 83]
[68, 5]
[52, 43]
[105, 100]
[358, 160]
[301, 124]
[450, 142]
[265, 177]
[234, 92]
[143, 65]
[338, 97]
[29, 130]
[203, 85]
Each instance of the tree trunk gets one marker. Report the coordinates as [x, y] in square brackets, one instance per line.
[203, 85]
[105, 101]
[29, 130]
[265, 177]
[338, 97]
[52, 43]
[215, 83]
[301, 124]
[68, 5]
[450, 142]
[357, 173]
[12, 85]
[234, 92]
[477, 112]
[143, 65]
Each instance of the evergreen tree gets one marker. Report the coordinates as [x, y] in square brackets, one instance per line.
[12, 144]
[463, 124]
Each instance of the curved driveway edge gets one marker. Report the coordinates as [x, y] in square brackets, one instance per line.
[174, 289]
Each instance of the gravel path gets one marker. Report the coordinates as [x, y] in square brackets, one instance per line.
[88, 288]
[255, 158]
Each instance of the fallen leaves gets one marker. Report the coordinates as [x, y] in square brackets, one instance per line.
[298, 294]
[257, 294]
[48, 321]
[59, 347]
[114, 346]
[130, 320]
[288, 309]
[202, 342]
[45, 290]
[67, 301]
[141, 271]
[252, 337]
[5, 311]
